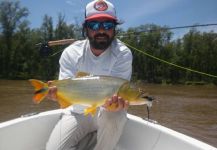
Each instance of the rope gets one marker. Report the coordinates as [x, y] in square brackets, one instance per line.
[169, 63]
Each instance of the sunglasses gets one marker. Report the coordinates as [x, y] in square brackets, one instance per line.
[95, 25]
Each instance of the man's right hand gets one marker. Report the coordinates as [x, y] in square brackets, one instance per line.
[52, 92]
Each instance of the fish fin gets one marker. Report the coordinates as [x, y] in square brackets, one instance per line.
[81, 74]
[90, 110]
[62, 100]
[37, 84]
[125, 86]
[41, 90]
[37, 98]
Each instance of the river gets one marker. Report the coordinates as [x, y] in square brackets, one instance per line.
[191, 110]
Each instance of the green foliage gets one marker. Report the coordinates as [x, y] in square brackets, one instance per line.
[20, 59]
[19, 55]
[11, 16]
[196, 50]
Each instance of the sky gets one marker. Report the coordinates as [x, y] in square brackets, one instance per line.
[134, 12]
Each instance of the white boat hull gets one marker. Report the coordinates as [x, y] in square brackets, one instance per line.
[32, 133]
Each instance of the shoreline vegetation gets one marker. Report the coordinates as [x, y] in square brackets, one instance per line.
[20, 58]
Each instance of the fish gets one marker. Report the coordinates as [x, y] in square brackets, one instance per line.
[91, 91]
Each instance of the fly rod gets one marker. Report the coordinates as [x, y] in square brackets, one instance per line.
[46, 50]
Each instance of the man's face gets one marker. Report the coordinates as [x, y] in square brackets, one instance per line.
[100, 33]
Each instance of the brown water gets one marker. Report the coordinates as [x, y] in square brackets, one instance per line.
[191, 110]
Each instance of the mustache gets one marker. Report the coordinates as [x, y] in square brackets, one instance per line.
[101, 35]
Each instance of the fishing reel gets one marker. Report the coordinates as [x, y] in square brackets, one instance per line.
[45, 50]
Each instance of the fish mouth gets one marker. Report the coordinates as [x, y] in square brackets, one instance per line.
[143, 99]
[145, 95]
[149, 98]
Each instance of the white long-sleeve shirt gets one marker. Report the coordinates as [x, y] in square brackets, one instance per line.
[115, 61]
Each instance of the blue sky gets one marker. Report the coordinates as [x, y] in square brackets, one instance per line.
[133, 12]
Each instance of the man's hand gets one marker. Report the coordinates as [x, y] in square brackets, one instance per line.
[52, 92]
[115, 104]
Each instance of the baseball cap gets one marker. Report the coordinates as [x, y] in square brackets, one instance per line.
[100, 9]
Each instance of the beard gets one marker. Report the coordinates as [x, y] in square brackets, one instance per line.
[100, 41]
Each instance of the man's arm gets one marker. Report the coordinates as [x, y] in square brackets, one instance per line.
[67, 66]
[123, 69]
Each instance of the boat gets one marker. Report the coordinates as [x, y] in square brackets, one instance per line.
[32, 132]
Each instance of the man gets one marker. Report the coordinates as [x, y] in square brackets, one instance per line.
[100, 54]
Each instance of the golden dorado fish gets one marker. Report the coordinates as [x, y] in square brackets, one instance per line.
[91, 91]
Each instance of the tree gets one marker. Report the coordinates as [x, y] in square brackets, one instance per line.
[11, 16]
[63, 30]
[154, 41]
[47, 28]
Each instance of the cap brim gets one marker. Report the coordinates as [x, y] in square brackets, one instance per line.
[100, 16]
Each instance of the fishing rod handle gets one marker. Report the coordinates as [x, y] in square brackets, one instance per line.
[61, 42]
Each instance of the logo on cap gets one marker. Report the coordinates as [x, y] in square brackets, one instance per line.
[101, 5]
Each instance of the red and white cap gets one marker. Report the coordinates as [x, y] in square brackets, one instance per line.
[100, 9]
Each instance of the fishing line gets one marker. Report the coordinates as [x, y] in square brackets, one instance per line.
[165, 28]
[169, 63]
[159, 59]
[55, 53]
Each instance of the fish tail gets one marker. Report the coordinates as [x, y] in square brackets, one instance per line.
[41, 90]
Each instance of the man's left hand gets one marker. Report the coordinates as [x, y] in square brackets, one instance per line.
[116, 103]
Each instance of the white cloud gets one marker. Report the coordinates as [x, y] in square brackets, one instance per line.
[208, 29]
[181, 32]
[178, 34]
[71, 3]
[74, 2]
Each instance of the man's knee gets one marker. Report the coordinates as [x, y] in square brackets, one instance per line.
[69, 131]
[115, 120]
